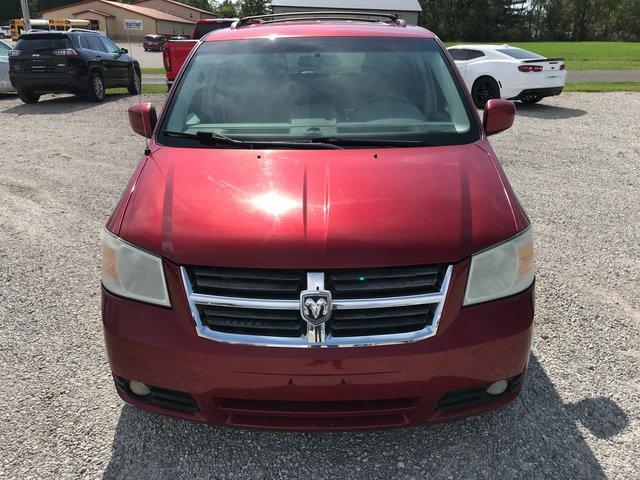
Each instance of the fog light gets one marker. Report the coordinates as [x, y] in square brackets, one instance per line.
[498, 387]
[140, 389]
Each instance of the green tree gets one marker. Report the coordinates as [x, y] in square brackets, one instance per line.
[10, 9]
[226, 9]
[477, 20]
[202, 4]
[626, 21]
[250, 8]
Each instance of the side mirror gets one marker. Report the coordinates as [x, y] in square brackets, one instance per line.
[123, 51]
[143, 118]
[498, 116]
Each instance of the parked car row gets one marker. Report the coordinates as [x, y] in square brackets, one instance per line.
[489, 71]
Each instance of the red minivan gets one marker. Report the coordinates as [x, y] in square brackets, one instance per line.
[318, 236]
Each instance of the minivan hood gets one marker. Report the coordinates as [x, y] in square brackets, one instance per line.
[318, 208]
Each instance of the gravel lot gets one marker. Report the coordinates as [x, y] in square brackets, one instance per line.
[575, 163]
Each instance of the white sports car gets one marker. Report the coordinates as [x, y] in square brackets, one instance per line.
[502, 71]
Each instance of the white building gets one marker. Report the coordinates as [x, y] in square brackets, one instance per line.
[110, 17]
[407, 9]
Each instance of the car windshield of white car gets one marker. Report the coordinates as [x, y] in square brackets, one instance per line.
[518, 53]
[300, 89]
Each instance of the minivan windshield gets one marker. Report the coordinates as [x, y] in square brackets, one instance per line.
[354, 89]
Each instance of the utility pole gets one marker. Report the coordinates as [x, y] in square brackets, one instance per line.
[25, 15]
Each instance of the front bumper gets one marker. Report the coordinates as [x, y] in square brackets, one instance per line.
[436, 379]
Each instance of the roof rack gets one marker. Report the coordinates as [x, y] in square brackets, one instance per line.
[83, 30]
[326, 15]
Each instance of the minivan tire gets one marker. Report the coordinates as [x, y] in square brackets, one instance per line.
[135, 83]
[95, 88]
[28, 97]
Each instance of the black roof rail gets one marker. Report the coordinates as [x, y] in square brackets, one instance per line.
[326, 15]
[86, 30]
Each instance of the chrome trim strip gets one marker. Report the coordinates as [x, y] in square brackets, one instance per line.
[303, 341]
[389, 302]
[257, 303]
[315, 280]
[316, 334]
[355, 304]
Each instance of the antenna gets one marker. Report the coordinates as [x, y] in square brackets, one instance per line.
[139, 95]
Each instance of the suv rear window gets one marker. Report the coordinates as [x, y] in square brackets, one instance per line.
[203, 28]
[372, 88]
[28, 45]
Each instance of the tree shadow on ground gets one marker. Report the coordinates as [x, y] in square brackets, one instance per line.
[535, 437]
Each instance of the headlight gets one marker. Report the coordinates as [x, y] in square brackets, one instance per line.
[132, 273]
[500, 271]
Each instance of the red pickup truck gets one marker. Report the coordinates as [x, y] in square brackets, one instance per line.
[175, 52]
[319, 236]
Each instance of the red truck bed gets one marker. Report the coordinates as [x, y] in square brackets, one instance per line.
[175, 52]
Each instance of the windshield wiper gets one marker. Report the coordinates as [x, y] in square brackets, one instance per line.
[216, 139]
[208, 138]
[366, 142]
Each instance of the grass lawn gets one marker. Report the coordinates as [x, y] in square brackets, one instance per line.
[145, 89]
[588, 55]
[603, 87]
[152, 70]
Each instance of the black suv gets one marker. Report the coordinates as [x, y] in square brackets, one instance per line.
[76, 61]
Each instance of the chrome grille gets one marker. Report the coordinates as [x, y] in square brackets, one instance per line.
[371, 306]
[380, 321]
[247, 283]
[252, 321]
[385, 282]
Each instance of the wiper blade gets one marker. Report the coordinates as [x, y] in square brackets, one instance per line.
[209, 138]
[216, 139]
[374, 142]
